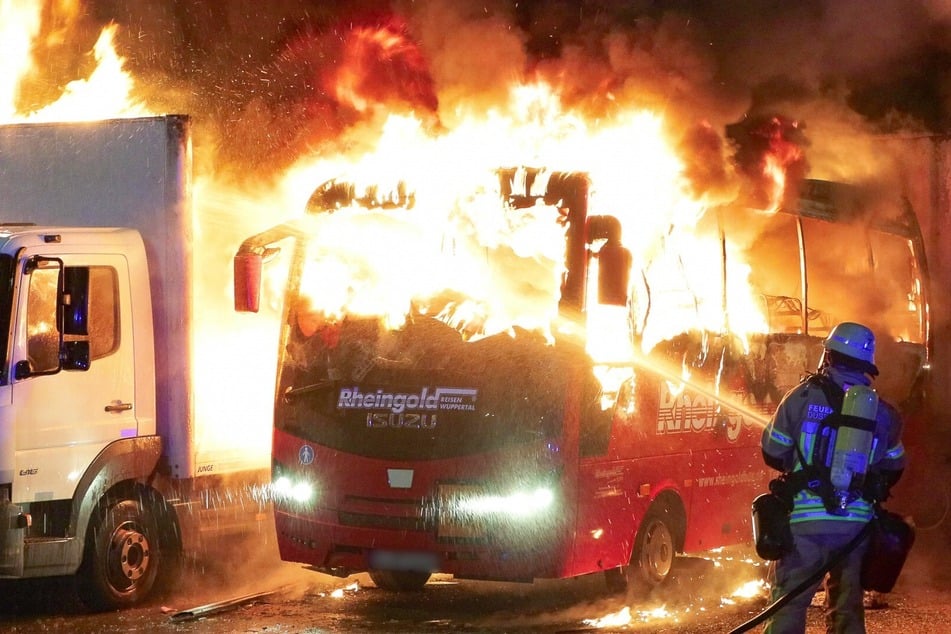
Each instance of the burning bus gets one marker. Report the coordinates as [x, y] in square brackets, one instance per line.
[522, 410]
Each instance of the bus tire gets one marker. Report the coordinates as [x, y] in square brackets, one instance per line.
[399, 580]
[652, 559]
[121, 560]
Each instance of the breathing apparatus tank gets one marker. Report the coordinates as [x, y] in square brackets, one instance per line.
[852, 444]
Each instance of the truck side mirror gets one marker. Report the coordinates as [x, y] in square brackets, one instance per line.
[76, 355]
[22, 370]
[247, 282]
[75, 300]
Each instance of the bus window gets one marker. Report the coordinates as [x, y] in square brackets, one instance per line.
[772, 251]
[838, 266]
[898, 283]
[683, 284]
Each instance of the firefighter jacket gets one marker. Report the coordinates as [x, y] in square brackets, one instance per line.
[798, 419]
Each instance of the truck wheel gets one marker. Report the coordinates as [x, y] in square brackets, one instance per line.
[399, 580]
[652, 558]
[121, 559]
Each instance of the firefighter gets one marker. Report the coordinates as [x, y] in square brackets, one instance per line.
[821, 526]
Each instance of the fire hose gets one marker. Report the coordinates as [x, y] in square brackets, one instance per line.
[814, 578]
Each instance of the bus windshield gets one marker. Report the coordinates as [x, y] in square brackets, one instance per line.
[356, 386]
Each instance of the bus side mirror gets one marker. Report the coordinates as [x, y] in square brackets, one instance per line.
[614, 274]
[614, 260]
[247, 282]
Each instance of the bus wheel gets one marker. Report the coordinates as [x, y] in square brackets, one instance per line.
[654, 549]
[399, 580]
[121, 559]
[652, 558]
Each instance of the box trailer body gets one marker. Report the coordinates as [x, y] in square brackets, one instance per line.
[97, 389]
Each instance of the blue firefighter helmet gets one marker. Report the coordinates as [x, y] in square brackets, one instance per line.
[852, 340]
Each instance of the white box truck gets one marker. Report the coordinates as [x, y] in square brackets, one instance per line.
[100, 472]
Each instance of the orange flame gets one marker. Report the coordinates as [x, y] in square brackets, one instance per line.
[19, 25]
[379, 62]
[503, 266]
[105, 93]
[781, 156]
[108, 92]
[508, 262]
[771, 154]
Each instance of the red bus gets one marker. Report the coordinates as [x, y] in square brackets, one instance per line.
[419, 444]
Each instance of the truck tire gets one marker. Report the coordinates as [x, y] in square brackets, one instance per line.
[399, 580]
[121, 559]
[652, 559]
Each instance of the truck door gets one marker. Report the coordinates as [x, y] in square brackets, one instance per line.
[64, 417]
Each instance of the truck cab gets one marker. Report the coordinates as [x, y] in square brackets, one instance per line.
[107, 470]
[77, 402]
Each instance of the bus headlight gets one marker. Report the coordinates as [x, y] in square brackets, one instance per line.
[291, 488]
[470, 511]
[515, 504]
[299, 491]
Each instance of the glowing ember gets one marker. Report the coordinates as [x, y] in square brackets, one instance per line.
[339, 593]
[625, 616]
[621, 617]
[751, 589]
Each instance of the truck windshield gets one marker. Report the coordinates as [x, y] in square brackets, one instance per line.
[421, 391]
[6, 303]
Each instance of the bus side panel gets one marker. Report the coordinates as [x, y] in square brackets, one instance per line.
[725, 480]
[616, 486]
[614, 497]
[727, 470]
[698, 439]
